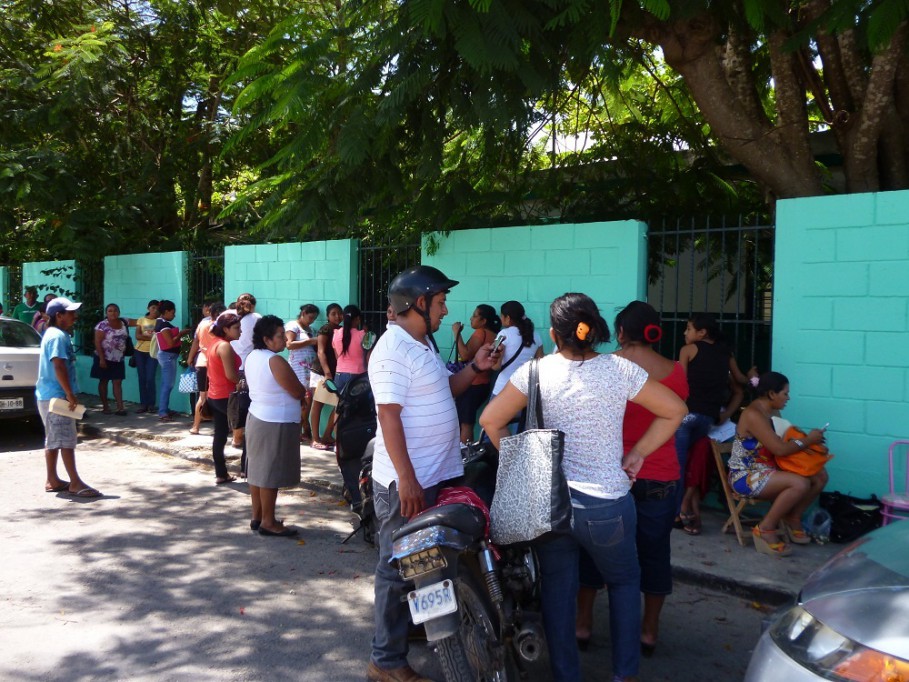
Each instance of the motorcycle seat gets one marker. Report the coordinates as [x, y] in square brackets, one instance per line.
[462, 517]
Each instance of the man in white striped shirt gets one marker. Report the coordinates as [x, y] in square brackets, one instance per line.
[417, 443]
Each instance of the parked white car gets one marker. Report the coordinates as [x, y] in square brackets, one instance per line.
[851, 621]
[19, 351]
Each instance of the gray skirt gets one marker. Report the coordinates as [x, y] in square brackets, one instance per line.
[272, 453]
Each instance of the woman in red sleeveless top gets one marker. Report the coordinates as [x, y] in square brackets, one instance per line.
[637, 329]
[223, 374]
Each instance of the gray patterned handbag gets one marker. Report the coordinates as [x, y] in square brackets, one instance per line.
[531, 496]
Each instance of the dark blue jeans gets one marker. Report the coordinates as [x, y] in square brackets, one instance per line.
[606, 530]
[693, 427]
[168, 364]
[145, 369]
[654, 502]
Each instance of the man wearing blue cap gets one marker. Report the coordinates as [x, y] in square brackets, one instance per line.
[57, 379]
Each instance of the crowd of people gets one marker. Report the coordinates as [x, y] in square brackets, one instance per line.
[630, 420]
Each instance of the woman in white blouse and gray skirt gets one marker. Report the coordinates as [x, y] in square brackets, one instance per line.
[273, 425]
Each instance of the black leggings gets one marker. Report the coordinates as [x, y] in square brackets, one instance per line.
[222, 429]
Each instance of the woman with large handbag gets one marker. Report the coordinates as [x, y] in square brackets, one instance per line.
[582, 394]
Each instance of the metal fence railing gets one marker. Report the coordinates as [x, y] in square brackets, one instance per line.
[379, 263]
[205, 278]
[719, 266]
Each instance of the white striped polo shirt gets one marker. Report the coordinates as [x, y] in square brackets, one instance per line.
[405, 372]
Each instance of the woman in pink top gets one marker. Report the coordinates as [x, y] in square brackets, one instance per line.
[347, 343]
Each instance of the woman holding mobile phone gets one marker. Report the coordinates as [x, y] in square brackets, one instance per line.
[485, 325]
[753, 474]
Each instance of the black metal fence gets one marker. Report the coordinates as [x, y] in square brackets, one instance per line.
[89, 289]
[15, 287]
[205, 275]
[719, 266]
[379, 263]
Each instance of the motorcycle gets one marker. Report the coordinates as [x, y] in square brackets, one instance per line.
[355, 436]
[479, 604]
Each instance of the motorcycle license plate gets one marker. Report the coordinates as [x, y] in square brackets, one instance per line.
[432, 601]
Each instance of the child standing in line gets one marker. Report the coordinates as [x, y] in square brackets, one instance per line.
[714, 396]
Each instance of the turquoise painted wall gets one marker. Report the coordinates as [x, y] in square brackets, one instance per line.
[283, 277]
[534, 265]
[131, 281]
[841, 326]
[61, 282]
[4, 290]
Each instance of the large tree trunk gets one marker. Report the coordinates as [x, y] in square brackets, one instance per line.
[689, 47]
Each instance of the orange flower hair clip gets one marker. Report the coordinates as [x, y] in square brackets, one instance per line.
[582, 330]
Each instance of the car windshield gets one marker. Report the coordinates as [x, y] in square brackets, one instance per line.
[14, 334]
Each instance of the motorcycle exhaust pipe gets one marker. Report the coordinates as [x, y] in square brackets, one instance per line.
[529, 642]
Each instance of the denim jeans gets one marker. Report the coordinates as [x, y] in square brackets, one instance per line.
[654, 503]
[168, 363]
[146, 367]
[606, 530]
[693, 427]
[343, 378]
[389, 644]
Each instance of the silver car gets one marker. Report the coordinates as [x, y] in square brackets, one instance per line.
[851, 621]
[19, 351]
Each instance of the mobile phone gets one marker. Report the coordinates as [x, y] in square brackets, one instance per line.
[824, 427]
[497, 343]
[330, 385]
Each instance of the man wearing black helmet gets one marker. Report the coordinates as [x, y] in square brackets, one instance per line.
[417, 444]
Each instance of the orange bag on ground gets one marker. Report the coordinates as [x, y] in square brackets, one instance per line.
[806, 462]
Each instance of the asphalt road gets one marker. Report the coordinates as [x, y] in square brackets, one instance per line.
[161, 579]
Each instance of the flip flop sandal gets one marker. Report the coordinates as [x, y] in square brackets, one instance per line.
[59, 488]
[86, 492]
[223, 481]
[691, 524]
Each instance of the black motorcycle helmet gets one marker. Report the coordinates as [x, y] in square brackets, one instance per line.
[408, 286]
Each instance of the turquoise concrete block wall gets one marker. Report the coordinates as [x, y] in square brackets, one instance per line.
[4, 290]
[535, 264]
[131, 281]
[841, 326]
[283, 277]
[56, 277]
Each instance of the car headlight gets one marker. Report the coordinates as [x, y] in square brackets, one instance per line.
[830, 655]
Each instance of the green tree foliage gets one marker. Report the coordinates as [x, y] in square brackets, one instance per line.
[112, 120]
[434, 113]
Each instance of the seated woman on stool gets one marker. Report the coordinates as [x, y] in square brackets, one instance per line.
[753, 474]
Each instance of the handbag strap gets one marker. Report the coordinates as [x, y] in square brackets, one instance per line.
[534, 397]
[512, 359]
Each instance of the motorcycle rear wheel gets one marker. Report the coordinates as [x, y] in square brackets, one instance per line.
[475, 653]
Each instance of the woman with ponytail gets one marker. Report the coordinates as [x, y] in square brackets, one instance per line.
[347, 343]
[521, 343]
[584, 394]
[637, 329]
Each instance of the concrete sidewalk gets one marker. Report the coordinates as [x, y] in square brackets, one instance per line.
[711, 559]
